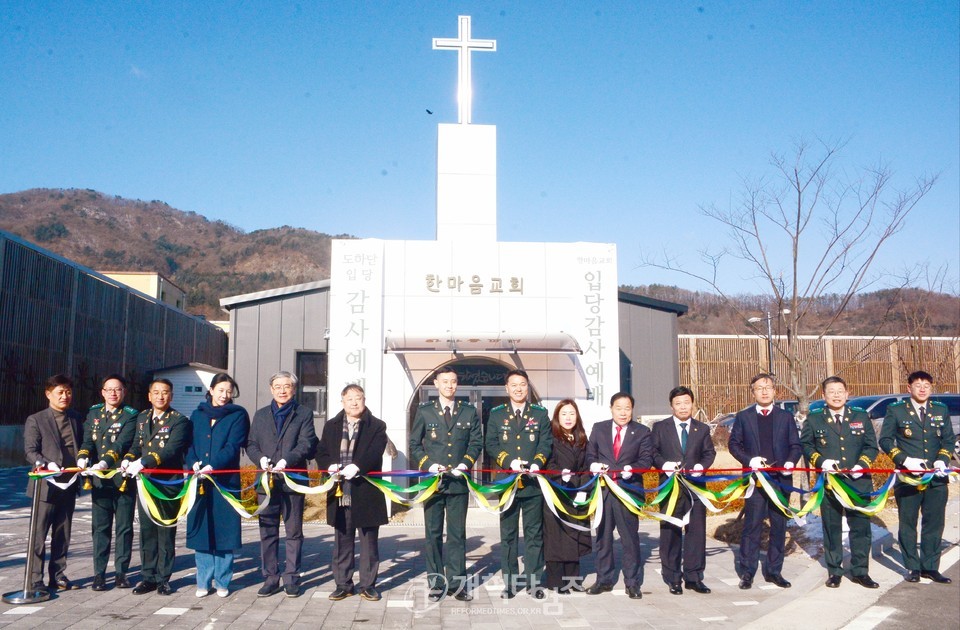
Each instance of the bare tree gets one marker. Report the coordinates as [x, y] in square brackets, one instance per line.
[829, 224]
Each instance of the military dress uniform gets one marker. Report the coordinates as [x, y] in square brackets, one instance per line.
[446, 440]
[107, 436]
[525, 436]
[160, 442]
[851, 441]
[905, 434]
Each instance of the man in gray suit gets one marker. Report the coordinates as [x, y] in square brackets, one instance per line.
[281, 436]
[51, 439]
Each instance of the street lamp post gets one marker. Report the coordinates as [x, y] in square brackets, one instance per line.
[769, 320]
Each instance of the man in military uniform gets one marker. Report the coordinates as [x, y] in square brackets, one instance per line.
[107, 435]
[162, 439]
[840, 437]
[519, 439]
[446, 438]
[916, 433]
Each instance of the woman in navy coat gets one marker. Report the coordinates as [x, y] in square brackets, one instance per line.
[220, 431]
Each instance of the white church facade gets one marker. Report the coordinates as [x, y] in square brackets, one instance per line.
[392, 312]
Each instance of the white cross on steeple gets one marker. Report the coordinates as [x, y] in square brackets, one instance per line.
[464, 45]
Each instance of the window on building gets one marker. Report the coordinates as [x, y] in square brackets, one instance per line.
[312, 374]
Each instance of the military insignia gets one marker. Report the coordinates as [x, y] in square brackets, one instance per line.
[505, 436]
[907, 432]
[533, 438]
[856, 425]
[161, 443]
[433, 434]
[113, 439]
[823, 441]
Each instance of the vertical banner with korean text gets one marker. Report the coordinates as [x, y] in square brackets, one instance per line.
[356, 319]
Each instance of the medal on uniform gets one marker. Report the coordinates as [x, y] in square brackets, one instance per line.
[505, 436]
[532, 437]
[823, 441]
[94, 436]
[161, 443]
[907, 432]
[433, 434]
[113, 439]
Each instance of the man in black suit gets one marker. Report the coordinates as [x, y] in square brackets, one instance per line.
[682, 443]
[764, 436]
[622, 445]
[51, 438]
[352, 445]
[281, 436]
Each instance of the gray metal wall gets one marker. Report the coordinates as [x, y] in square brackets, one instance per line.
[266, 337]
[57, 316]
[648, 338]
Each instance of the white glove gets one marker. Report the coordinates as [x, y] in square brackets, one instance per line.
[516, 465]
[350, 471]
[698, 470]
[196, 466]
[565, 475]
[597, 468]
[133, 468]
[788, 469]
[940, 467]
[914, 464]
[124, 463]
[101, 465]
[829, 465]
[206, 469]
[82, 462]
[333, 469]
[434, 468]
[670, 466]
[853, 472]
[756, 463]
[456, 472]
[264, 462]
[53, 467]
[280, 465]
[626, 474]
[534, 467]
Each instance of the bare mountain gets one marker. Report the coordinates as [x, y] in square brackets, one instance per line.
[208, 259]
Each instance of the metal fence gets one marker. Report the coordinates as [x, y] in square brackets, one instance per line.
[57, 316]
[719, 367]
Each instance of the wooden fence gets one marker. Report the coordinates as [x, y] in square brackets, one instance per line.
[719, 367]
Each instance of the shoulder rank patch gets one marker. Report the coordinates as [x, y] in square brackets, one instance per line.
[130, 410]
[937, 403]
[857, 409]
[97, 406]
[899, 403]
[503, 406]
[538, 407]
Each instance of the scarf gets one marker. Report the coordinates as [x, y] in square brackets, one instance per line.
[280, 414]
[348, 440]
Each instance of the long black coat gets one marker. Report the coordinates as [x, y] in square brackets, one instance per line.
[212, 524]
[42, 444]
[368, 506]
[562, 543]
[296, 442]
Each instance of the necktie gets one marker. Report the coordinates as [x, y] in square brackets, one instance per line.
[838, 417]
[765, 412]
[447, 415]
[923, 414]
[683, 437]
[616, 444]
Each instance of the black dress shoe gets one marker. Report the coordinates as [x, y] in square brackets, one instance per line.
[777, 579]
[538, 593]
[508, 593]
[936, 576]
[370, 594]
[163, 588]
[463, 595]
[912, 576]
[100, 583]
[834, 581]
[144, 587]
[864, 580]
[698, 587]
[63, 584]
[633, 592]
[291, 590]
[436, 595]
[341, 593]
[121, 581]
[746, 582]
[268, 589]
[598, 588]
[676, 589]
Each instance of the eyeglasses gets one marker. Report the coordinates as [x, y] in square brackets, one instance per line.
[112, 390]
[282, 388]
[764, 388]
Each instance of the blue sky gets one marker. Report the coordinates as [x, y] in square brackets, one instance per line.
[616, 120]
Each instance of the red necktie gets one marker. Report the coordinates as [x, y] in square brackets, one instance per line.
[765, 411]
[616, 445]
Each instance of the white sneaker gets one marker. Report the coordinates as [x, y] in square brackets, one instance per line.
[203, 592]
[222, 592]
